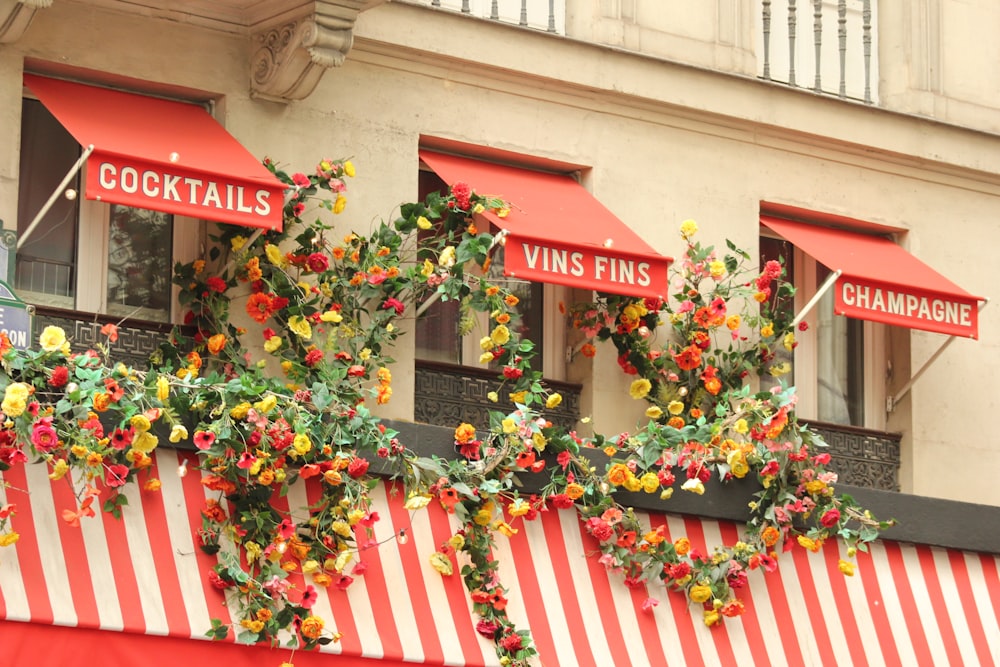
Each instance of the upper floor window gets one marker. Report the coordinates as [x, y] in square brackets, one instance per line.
[86, 255]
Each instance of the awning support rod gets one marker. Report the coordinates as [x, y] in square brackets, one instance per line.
[55, 195]
[824, 288]
[892, 401]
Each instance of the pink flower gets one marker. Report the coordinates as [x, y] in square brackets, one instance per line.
[309, 597]
[43, 435]
[300, 180]
[649, 603]
[203, 439]
[318, 262]
[487, 629]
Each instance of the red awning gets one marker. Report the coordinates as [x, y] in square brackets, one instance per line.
[138, 587]
[557, 231]
[162, 155]
[882, 282]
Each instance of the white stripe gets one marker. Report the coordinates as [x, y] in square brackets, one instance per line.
[184, 550]
[819, 574]
[15, 597]
[800, 613]
[422, 536]
[893, 606]
[297, 500]
[551, 600]
[862, 613]
[400, 604]
[764, 614]
[663, 614]
[102, 574]
[53, 559]
[143, 563]
[922, 600]
[953, 603]
[508, 572]
[625, 607]
[364, 617]
[703, 633]
[984, 605]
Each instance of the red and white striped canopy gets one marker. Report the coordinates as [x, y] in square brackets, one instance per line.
[135, 591]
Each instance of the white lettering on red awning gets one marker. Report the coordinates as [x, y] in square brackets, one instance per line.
[923, 311]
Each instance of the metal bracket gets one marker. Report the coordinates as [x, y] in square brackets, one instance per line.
[55, 195]
[892, 401]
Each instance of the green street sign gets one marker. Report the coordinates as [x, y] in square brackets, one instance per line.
[15, 318]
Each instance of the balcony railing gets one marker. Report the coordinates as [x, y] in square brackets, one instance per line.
[860, 457]
[547, 15]
[827, 46]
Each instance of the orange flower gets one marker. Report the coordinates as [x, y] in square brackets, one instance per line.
[769, 536]
[503, 318]
[260, 306]
[574, 491]
[688, 359]
[465, 433]
[682, 546]
[511, 300]
[676, 422]
[618, 474]
[492, 290]
[253, 269]
[449, 498]
[338, 253]
[216, 343]
[588, 350]
[102, 401]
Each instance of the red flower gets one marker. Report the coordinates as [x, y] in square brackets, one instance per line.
[318, 262]
[301, 180]
[116, 475]
[512, 642]
[217, 581]
[111, 331]
[356, 371]
[260, 306]
[203, 439]
[121, 439]
[525, 459]
[487, 629]
[395, 304]
[830, 518]
[463, 194]
[561, 501]
[216, 284]
[357, 467]
[512, 372]
[313, 357]
[60, 376]
[114, 391]
[449, 498]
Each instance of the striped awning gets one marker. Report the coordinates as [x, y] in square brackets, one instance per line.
[135, 591]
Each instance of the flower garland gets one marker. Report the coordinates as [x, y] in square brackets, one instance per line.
[324, 308]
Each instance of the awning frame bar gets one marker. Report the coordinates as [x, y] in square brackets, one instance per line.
[892, 401]
[55, 195]
[824, 288]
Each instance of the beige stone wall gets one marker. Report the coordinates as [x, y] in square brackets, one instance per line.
[664, 143]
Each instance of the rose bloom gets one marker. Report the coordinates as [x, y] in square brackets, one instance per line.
[52, 339]
[60, 376]
[312, 627]
[357, 467]
[216, 343]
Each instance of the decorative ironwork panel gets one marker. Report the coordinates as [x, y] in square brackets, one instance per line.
[134, 346]
[868, 459]
[449, 395]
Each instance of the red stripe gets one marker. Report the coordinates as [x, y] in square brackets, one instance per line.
[683, 614]
[720, 634]
[57, 646]
[343, 616]
[876, 605]
[914, 627]
[120, 557]
[530, 590]
[600, 580]
[824, 649]
[556, 546]
[992, 578]
[751, 626]
[929, 568]
[74, 548]
[782, 612]
[28, 554]
[960, 571]
[416, 590]
[162, 548]
[194, 502]
[458, 597]
[842, 600]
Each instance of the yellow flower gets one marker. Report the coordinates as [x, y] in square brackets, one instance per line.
[8, 539]
[485, 357]
[427, 269]
[654, 412]
[553, 401]
[733, 322]
[272, 344]
[237, 243]
[199, 264]
[365, 354]
[416, 502]
[632, 483]
[253, 551]
[59, 470]
[162, 388]
[689, 228]
[780, 369]
[694, 486]
[240, 411]
[483, 516]
[741, 426]
[789, 341]
[343, 560]
[493, 396]
[500, 335]
[441, 563]
[574, 491]
[145, 442]
[846, 568]
[815, 486]
[767, 330]
[650, 482]
[518, 507]
[675, 407]
[300, 327]
[339, 204]
[540, 441]
[349, 168]
[331, 316]
[700, 593]
[301, 443]
[15, 399]
[275, 256]
[502, 212]
[310, 566]
[52, 338]
[456, 542]
[354, 516]
[717, 269]
[152, 485]
[447, 258]
[505, 528]
[423, 223]
[639, 388]
[711, 617]
[666, 494]
[738, 464]
[140, 423]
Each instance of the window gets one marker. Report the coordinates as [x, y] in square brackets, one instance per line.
[836, 363]
[438, 328]
[84, 255]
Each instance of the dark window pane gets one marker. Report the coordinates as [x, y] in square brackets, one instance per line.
[140, 244]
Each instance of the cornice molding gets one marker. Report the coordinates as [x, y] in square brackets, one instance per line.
[15, 17]
[291, 57]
